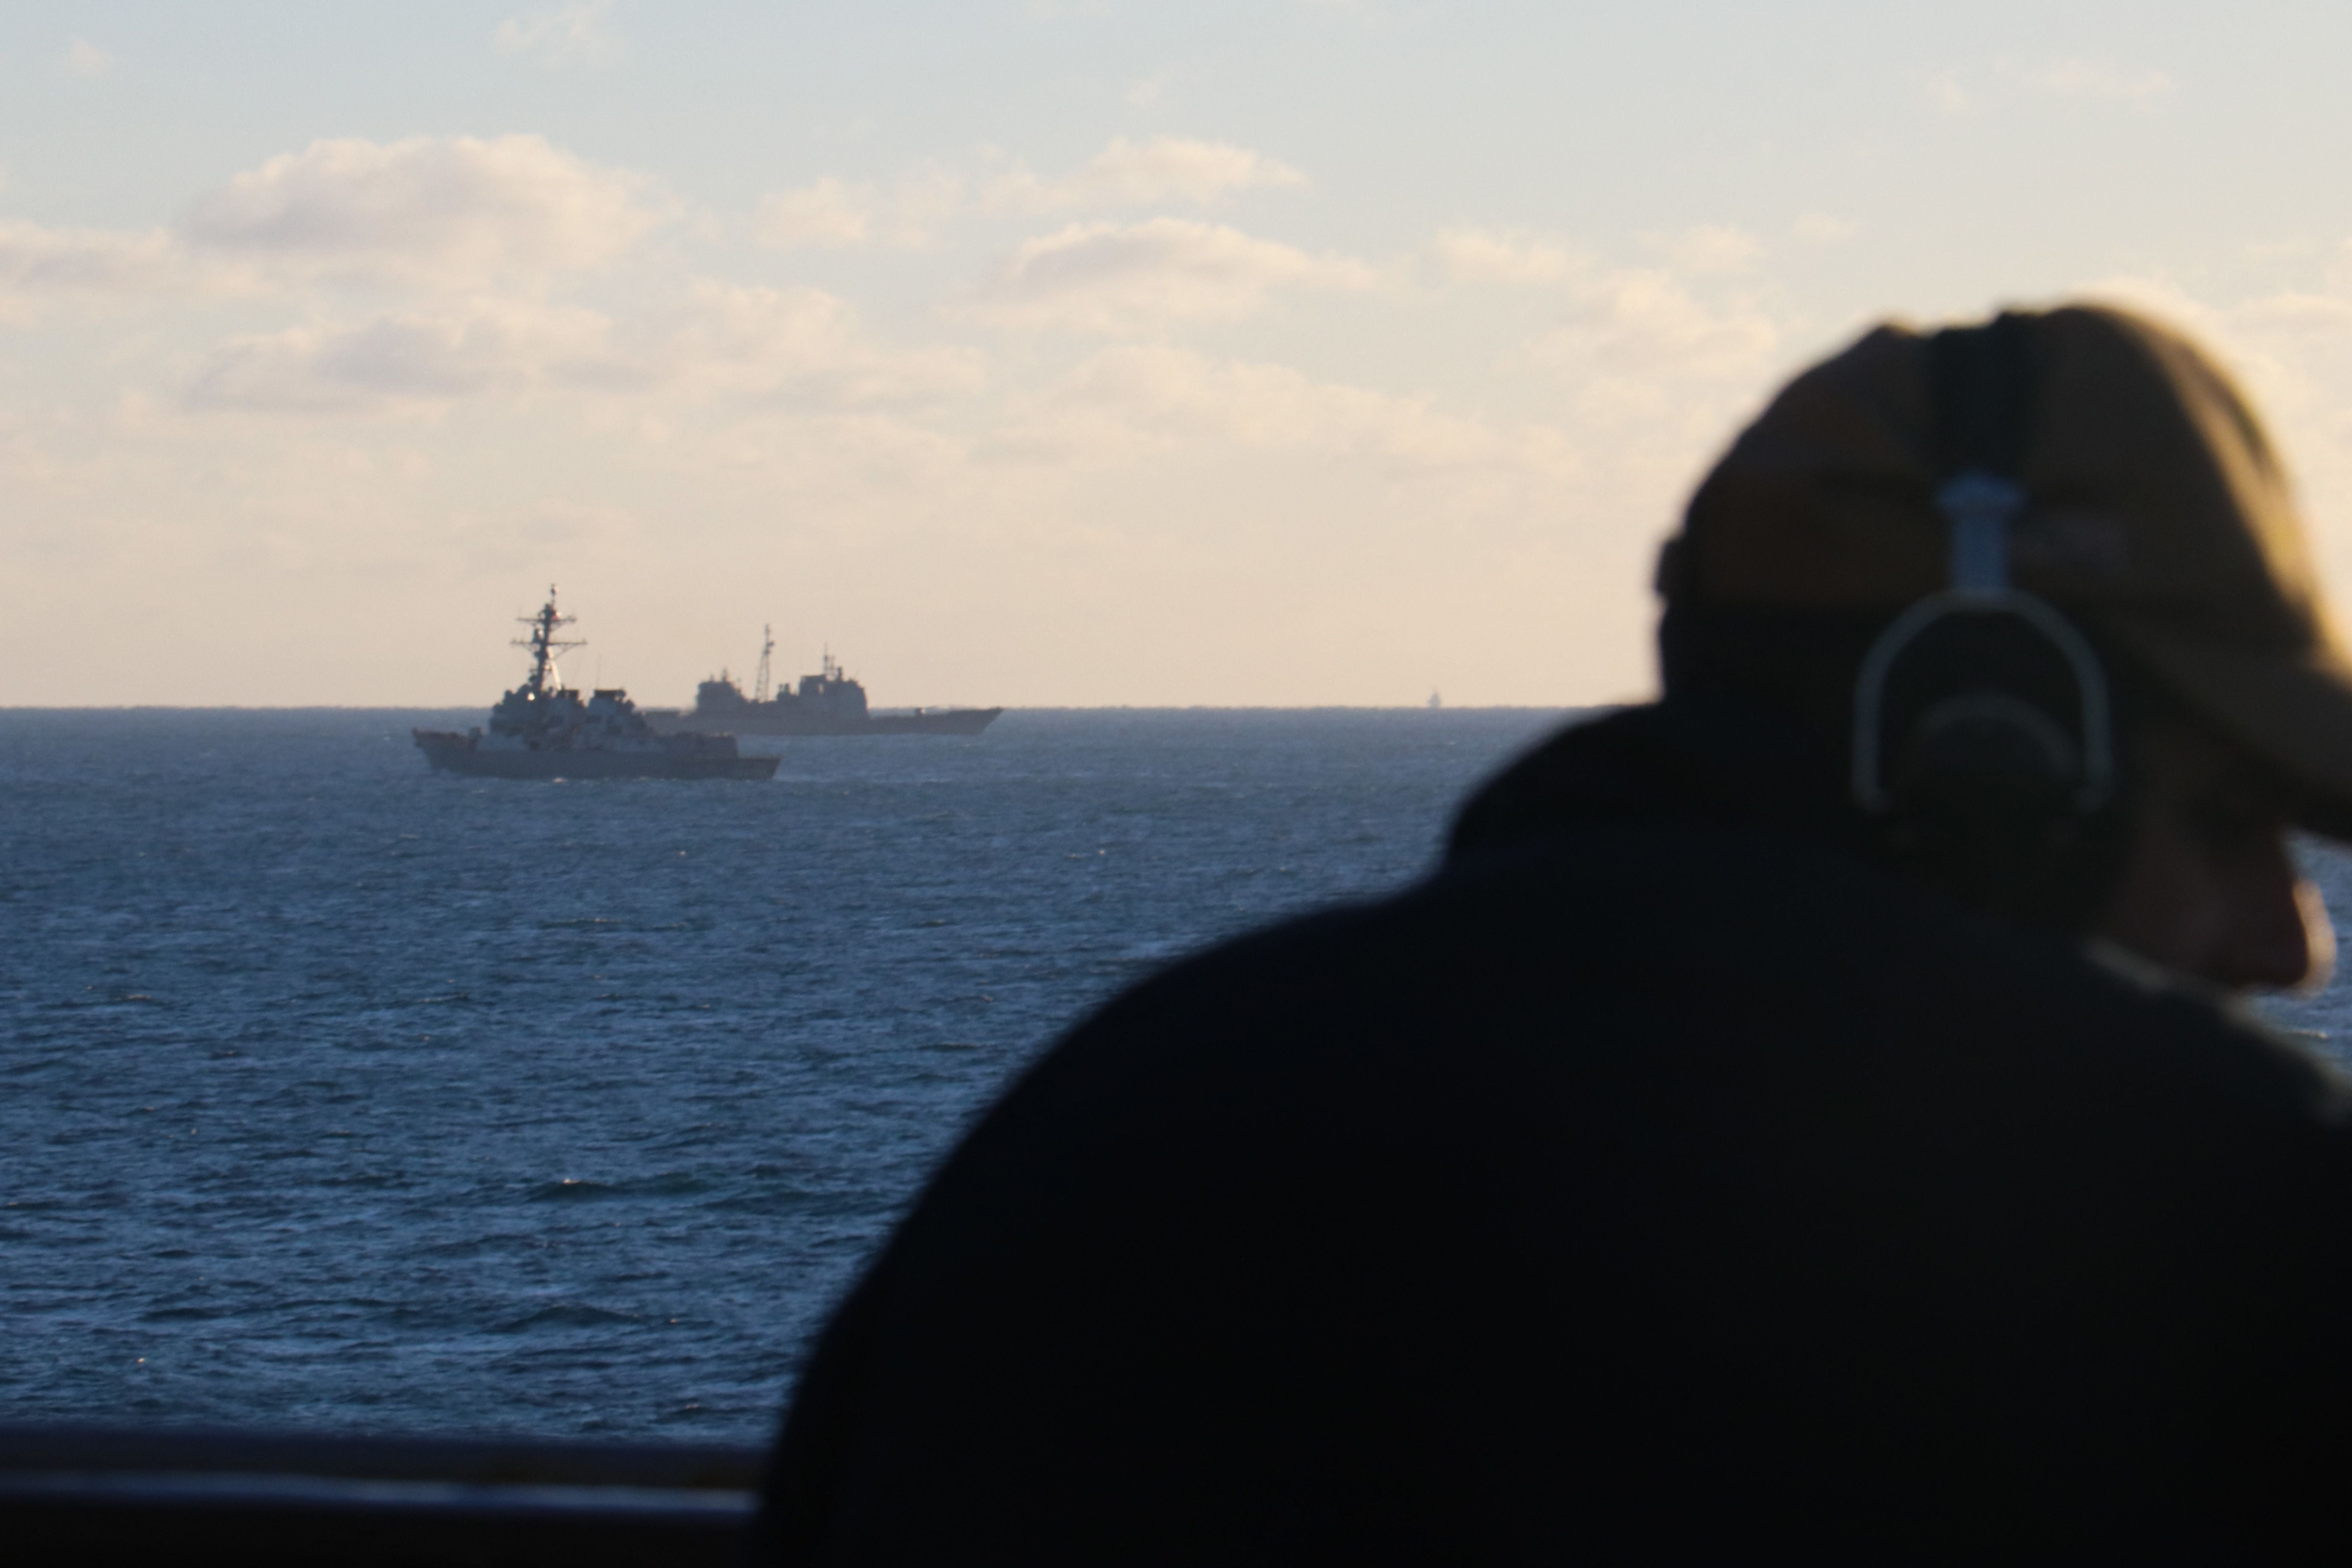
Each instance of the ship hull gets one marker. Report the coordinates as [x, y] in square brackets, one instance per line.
[460, 754]
[749, 721]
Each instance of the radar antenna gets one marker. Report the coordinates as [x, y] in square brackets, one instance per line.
[545, 647]
[767, 649]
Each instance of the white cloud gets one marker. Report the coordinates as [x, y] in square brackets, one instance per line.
[1108, 277]
[24, 459]
[828, 212]
[85, 60]
[1642, 353]
[1511, 256]
[2084, 80]
[402, 357]
[1709, 251]
[720, 341]
[1493, 256]
[39, 266]
[560, 36]
[924, 203]
[2098, 80]
[1143, 396]
[857, 460]
[836, 213]
[1141, 173]
[1657, 363]
[797, 343]
[1823, 228]
[435, 212]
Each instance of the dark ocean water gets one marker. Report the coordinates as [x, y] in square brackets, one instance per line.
[339, 1094]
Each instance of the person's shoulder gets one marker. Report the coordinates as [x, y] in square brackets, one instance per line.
[1597, 959]
[2185, 1027]
[1599, 937]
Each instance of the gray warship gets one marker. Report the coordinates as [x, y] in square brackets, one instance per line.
[541, 730]
[827, 703]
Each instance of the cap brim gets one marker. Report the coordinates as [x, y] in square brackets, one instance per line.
[2292, 710]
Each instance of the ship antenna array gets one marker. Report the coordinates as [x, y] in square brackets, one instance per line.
[545, 647]
[766, 651]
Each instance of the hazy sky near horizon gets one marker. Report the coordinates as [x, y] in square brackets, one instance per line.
[1067, 351]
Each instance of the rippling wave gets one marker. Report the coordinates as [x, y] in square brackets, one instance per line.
[339, 1093]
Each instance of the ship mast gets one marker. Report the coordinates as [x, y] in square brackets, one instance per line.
[546, 647]
[767, 648]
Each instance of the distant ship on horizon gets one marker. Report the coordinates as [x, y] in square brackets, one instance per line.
[828, 703]
[541, 730]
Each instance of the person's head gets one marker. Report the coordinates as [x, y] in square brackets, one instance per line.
[2090, 684]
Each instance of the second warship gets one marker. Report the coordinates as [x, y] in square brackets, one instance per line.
[827, 703]
[541, 730]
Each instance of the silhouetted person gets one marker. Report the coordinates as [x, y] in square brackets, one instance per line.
[1807, 1115]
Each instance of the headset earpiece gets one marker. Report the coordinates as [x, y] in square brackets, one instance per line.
[1983, 716]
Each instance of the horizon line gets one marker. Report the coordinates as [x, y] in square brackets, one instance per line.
[1007, 709]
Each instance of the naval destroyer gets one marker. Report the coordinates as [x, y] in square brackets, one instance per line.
[827, 703]
[541, 730]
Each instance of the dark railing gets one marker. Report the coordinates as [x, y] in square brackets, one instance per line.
[97, 1496]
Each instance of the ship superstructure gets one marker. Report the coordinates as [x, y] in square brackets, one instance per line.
[830, 702]
[542, 728]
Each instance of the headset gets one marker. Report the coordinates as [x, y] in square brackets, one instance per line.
[1983, 718]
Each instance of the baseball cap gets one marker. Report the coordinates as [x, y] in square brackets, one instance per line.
[2158, 514]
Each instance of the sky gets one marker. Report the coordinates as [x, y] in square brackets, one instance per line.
[1042, 352]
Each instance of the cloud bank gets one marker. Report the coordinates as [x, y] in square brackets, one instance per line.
[720, 341]
[431, 215]
[431, 212]
[1112, 277]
